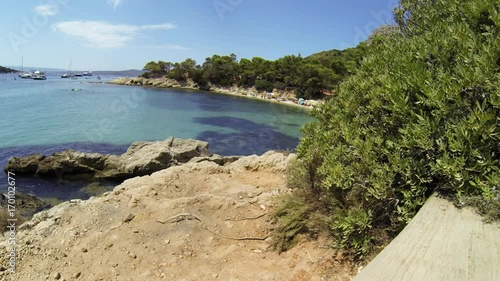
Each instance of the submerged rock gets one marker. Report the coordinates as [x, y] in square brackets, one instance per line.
[24, 204]
[141, 158]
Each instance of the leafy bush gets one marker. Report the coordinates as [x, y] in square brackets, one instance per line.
[263, 86]
[352, 231]
[421, 114]
[279, 85]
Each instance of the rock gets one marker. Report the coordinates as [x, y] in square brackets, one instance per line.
[25, 204]
[57, 275]
[270, 161]
[24, 165]
[84, 250]
[70, 162]
[129, 218]
[141, 158]
[77, 275]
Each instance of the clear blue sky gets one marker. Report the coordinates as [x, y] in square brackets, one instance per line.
[125, 34]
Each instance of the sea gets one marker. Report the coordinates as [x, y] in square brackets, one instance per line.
[87, 114]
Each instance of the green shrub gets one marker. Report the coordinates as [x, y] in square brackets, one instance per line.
[300, 212]
[291, 218]
[422, 113]
[352, 231]
[263, 86]
[279, 85]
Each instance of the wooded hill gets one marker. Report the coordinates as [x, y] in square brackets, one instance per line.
[309, 76]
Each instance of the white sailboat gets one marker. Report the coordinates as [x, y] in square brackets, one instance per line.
[68, 74]
[23, 74]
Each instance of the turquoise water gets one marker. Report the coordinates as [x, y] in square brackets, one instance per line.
[57, 114]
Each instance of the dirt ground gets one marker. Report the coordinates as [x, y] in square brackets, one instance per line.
[198, 221]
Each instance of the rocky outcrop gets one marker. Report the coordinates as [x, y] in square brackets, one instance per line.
[141, 158]
[26, 165]
[196, 221]
[157, 83]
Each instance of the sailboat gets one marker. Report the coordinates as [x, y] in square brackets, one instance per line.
[23, 74]
[68, 74]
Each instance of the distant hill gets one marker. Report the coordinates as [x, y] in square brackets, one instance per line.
[6, 70]
[127, 73]
[28, 68]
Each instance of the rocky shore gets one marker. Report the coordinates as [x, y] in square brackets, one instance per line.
[279, 96]
[198, 217]
[141, 158]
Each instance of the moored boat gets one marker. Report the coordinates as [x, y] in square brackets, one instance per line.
[68, 74]
[39, 75]
[22, 73]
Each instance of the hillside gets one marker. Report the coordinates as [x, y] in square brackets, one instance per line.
[6, 70]
[308, 77]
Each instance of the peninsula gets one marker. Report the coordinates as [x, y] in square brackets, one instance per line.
[7, 70]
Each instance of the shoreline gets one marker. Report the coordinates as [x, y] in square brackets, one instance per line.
[285, 102]
[189, 85]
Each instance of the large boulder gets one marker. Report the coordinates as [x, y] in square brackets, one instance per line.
[144, 158]
[141, 158]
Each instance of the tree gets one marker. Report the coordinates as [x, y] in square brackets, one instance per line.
[157, 69]
[221, 70]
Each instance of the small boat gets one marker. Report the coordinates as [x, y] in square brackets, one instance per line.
[39, 75]
[78, 75]
[87, 73]
[26, 75]
[68, 74]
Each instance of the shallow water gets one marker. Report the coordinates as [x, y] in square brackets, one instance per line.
[58, 114]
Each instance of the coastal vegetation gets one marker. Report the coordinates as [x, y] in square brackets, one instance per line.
[309, 77]
[6, 70]
[420, 115]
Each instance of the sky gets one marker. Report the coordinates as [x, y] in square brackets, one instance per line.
[126, 34]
